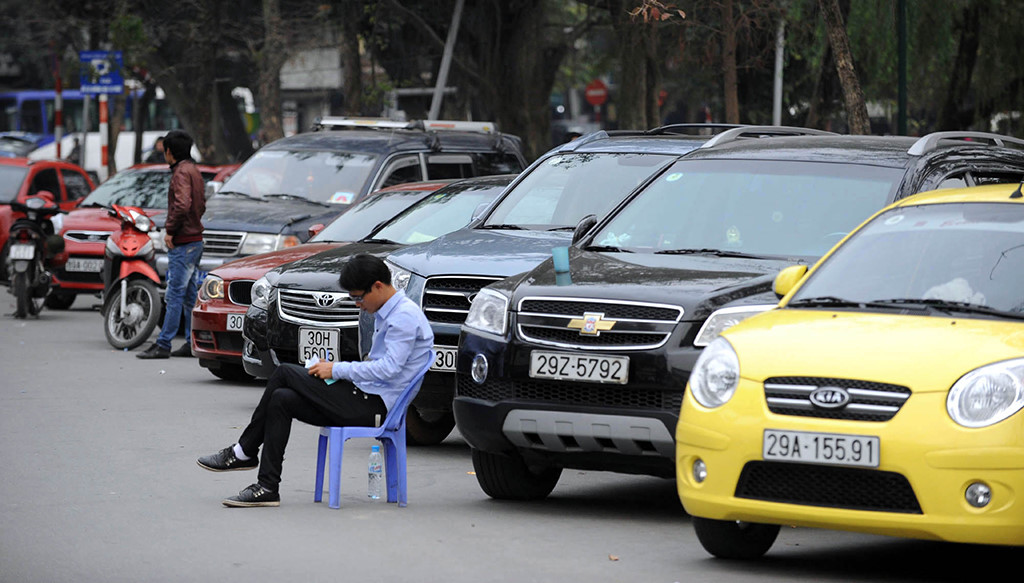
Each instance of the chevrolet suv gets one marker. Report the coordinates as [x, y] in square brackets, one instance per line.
[584, 366]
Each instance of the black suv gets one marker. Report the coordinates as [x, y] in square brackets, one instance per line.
[586, 368]
[297, 182]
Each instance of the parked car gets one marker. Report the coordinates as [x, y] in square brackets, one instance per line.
[21, 178]
[225, 294]
[299, 310]
[883, 396]
[19, 144]
[591, 374]
[87, 228]
[307, 179]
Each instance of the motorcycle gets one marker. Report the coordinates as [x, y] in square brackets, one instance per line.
[131, 293]
[32, 253]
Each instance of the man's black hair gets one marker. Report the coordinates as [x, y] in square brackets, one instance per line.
[179, 144]
[362, 271]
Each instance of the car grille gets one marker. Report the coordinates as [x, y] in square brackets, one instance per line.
[87, 236]
[79, 276]
[832, 487]
[575, 394]
[317, 308]
[240, 292]
[557, 322]
[446, 299]
[869, 401]
[222, 243]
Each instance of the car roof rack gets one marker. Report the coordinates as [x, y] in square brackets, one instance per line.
[761, 132]
[931, 141]
[680, 128]
[335, 122]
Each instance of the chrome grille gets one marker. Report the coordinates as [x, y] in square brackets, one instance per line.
[634, 325]
[446, 299]
[869, 401]
[240, 292]
[317, 308]
[87, 236]
[222, 243]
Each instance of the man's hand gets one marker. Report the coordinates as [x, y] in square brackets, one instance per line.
[169, 240]
[321, 370]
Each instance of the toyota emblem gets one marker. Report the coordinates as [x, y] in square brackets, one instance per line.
[324, 300]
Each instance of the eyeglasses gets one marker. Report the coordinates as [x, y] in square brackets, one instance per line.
[358, 298]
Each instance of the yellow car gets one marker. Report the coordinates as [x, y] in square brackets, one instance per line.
[884, 394]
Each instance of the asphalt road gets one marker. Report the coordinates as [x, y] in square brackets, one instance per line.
[99, 484]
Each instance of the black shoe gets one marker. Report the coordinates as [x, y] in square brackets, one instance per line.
[225, 461]
[254, 495]
[185, 350]
[154, 351]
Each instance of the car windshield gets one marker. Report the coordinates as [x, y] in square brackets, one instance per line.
[357, 222]
[324, 177]
[11, 179]
[146, 189]
[759, 208]
[940, 256]
[16, 147]
[567, 187]
[441, 213]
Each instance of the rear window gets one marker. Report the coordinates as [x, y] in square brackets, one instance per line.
[11, 178]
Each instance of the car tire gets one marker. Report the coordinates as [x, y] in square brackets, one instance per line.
[430, 429]
[731, 539]
[231, 372]
[59, 300]
[508, 477]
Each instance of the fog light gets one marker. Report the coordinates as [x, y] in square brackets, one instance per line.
[978, 495]
[478, 370]
[700, 471]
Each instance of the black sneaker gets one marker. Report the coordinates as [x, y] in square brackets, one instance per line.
[184, 350]
[254, 495]
[225, 461]
[154, 351]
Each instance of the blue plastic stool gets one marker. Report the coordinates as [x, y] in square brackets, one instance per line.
[391, 434]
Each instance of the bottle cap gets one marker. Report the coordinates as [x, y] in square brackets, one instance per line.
[375, 448]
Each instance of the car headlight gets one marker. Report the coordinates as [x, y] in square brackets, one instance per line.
[263, 243]
[399, 277]
[987, 395]
[716, 374]
[157, 238]
[262, 293]
[212, 288]
[725, 318]
[488, 312]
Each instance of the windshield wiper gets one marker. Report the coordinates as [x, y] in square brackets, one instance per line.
[504, 226]
[715, 252]
[565, 228]
[950, 307]
[825, 302]
[606, 248]
[242, 194]
[380, 241]
[296, 197]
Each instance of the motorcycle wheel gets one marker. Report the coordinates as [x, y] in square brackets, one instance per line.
[142, 314]
[25, 304]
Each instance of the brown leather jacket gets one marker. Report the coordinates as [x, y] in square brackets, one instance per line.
[186, 203]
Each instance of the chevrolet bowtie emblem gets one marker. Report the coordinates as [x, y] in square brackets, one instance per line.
[591, 324]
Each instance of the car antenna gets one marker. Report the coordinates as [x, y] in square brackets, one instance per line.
[1017, 193]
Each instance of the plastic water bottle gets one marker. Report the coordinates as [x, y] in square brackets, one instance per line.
[375, 473]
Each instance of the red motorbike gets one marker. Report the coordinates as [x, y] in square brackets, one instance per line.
[33, 251]
[131, 294]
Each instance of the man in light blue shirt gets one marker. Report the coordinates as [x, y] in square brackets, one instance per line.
[365, 390]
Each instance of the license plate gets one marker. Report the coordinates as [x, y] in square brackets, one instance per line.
[234, 322]
[831, 449]
[89, 265]
[444, 359]
[579, 367]
[22, 251]
[323, 343]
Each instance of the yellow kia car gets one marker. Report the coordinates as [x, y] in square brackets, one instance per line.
[884, 394]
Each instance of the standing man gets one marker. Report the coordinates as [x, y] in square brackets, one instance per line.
[186, 203]
[365, 391]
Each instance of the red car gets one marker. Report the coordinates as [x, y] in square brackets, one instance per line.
[87, 228]
[224, 296]
[21, 178]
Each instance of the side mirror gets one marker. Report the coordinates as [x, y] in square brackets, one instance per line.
[314, 229]
[479, 210]
[787, 279]
[582, 227]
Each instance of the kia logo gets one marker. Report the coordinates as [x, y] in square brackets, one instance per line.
[472, 297]
[830, 397]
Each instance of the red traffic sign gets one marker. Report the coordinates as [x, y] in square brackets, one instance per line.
[596, 92]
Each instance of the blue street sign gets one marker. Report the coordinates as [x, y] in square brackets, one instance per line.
[101, 71]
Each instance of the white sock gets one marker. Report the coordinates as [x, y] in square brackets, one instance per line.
[239, 453]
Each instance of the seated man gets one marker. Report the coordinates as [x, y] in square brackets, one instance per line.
[365, 390]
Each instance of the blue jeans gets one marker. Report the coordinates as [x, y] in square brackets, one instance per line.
[182, 288]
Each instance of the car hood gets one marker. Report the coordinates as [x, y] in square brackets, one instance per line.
[481, 252]
[925, 353]
[228, 213]
[90, 219]
[699, 284]
[320, 272]
[254, 266]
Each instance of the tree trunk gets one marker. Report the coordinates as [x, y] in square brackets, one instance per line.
[730, 76]
[853, 96]
[631, 94]
[955, 115]
[352, 67]
[269, 61]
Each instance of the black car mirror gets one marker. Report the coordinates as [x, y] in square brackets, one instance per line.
[479, 210]
[583, 227]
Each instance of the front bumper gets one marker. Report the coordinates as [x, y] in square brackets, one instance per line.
[926, 461]
[211, 339]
